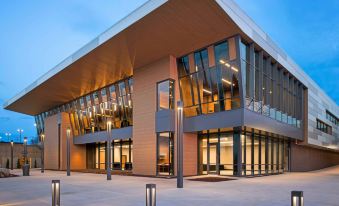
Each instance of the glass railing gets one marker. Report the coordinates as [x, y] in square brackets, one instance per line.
[273, 113]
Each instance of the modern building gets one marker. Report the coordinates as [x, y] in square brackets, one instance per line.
[248, 108]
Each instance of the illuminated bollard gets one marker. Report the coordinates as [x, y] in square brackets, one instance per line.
[55, 192]
[297, 198]
[151, 195]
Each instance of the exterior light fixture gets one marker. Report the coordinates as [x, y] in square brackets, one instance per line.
[297, 198]
[151, 198]
[55, 192]
[20, 132]
[108, 146]
[68, 134]
[42, 153]
[7, 134]
[25, 167]
[12, 145]
[25, 149]
[222, 61]
[234, 69]
[228, 65]
[180, 179]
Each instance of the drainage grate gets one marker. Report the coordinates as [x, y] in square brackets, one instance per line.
[211, 179]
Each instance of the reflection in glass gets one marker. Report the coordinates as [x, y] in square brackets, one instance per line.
[165, 151]
[165, 95]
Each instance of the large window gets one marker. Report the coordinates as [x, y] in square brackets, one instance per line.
[165, 153]
[121, 151]
[165, 95]
[89, 113]
[208, 89]
[322, 126]
[270, 89]
[332, 118]
[260, 153]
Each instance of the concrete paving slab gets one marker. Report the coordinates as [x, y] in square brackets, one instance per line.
[320, 188]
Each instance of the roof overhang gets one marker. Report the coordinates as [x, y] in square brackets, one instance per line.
[156, 29]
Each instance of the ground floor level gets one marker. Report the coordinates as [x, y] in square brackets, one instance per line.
[319, 187]
[220, 152]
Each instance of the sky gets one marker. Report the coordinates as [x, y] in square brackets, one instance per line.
[37, 35]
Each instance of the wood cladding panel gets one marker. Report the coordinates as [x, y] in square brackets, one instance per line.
[144, 101]
[51, 152]
[52, 155]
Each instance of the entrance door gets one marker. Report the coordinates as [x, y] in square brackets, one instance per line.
[212, 157]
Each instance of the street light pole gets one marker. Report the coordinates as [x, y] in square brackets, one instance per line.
[108, 146]
[20, 132]
[42, 153]
[180, 179]
[25, 150]
[8, 135]
[68, 132]
[12, 143]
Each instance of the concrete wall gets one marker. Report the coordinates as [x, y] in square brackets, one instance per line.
[305, 158]
[34, 154]
[52, 153]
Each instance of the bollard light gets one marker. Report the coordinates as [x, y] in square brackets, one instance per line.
[151, 195]
[55, 192]
[297, 198]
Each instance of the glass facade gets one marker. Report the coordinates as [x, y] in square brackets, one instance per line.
[165, 153]
[270, 89]
[259, 153]
[89, 113]
[165, 95]
[207, 89]
[121, 151]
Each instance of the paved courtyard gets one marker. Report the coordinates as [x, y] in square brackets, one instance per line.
[320, 188]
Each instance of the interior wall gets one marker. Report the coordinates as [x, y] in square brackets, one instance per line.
[305, 158]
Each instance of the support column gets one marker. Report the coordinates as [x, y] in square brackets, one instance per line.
[237, 158]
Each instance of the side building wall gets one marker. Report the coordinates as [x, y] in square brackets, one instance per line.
[144, 112]
[56, 145]
[306, 158]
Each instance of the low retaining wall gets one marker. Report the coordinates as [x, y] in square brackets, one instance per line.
[305, 158]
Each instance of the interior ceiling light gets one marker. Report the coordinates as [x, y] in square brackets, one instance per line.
[207, 91]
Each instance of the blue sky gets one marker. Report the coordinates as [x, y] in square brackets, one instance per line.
[37, 35]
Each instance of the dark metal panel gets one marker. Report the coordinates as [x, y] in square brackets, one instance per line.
[165, 120]
[122, 133]
[231, 118]
[258, 121]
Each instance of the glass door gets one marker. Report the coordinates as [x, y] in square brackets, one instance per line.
[213, 151]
